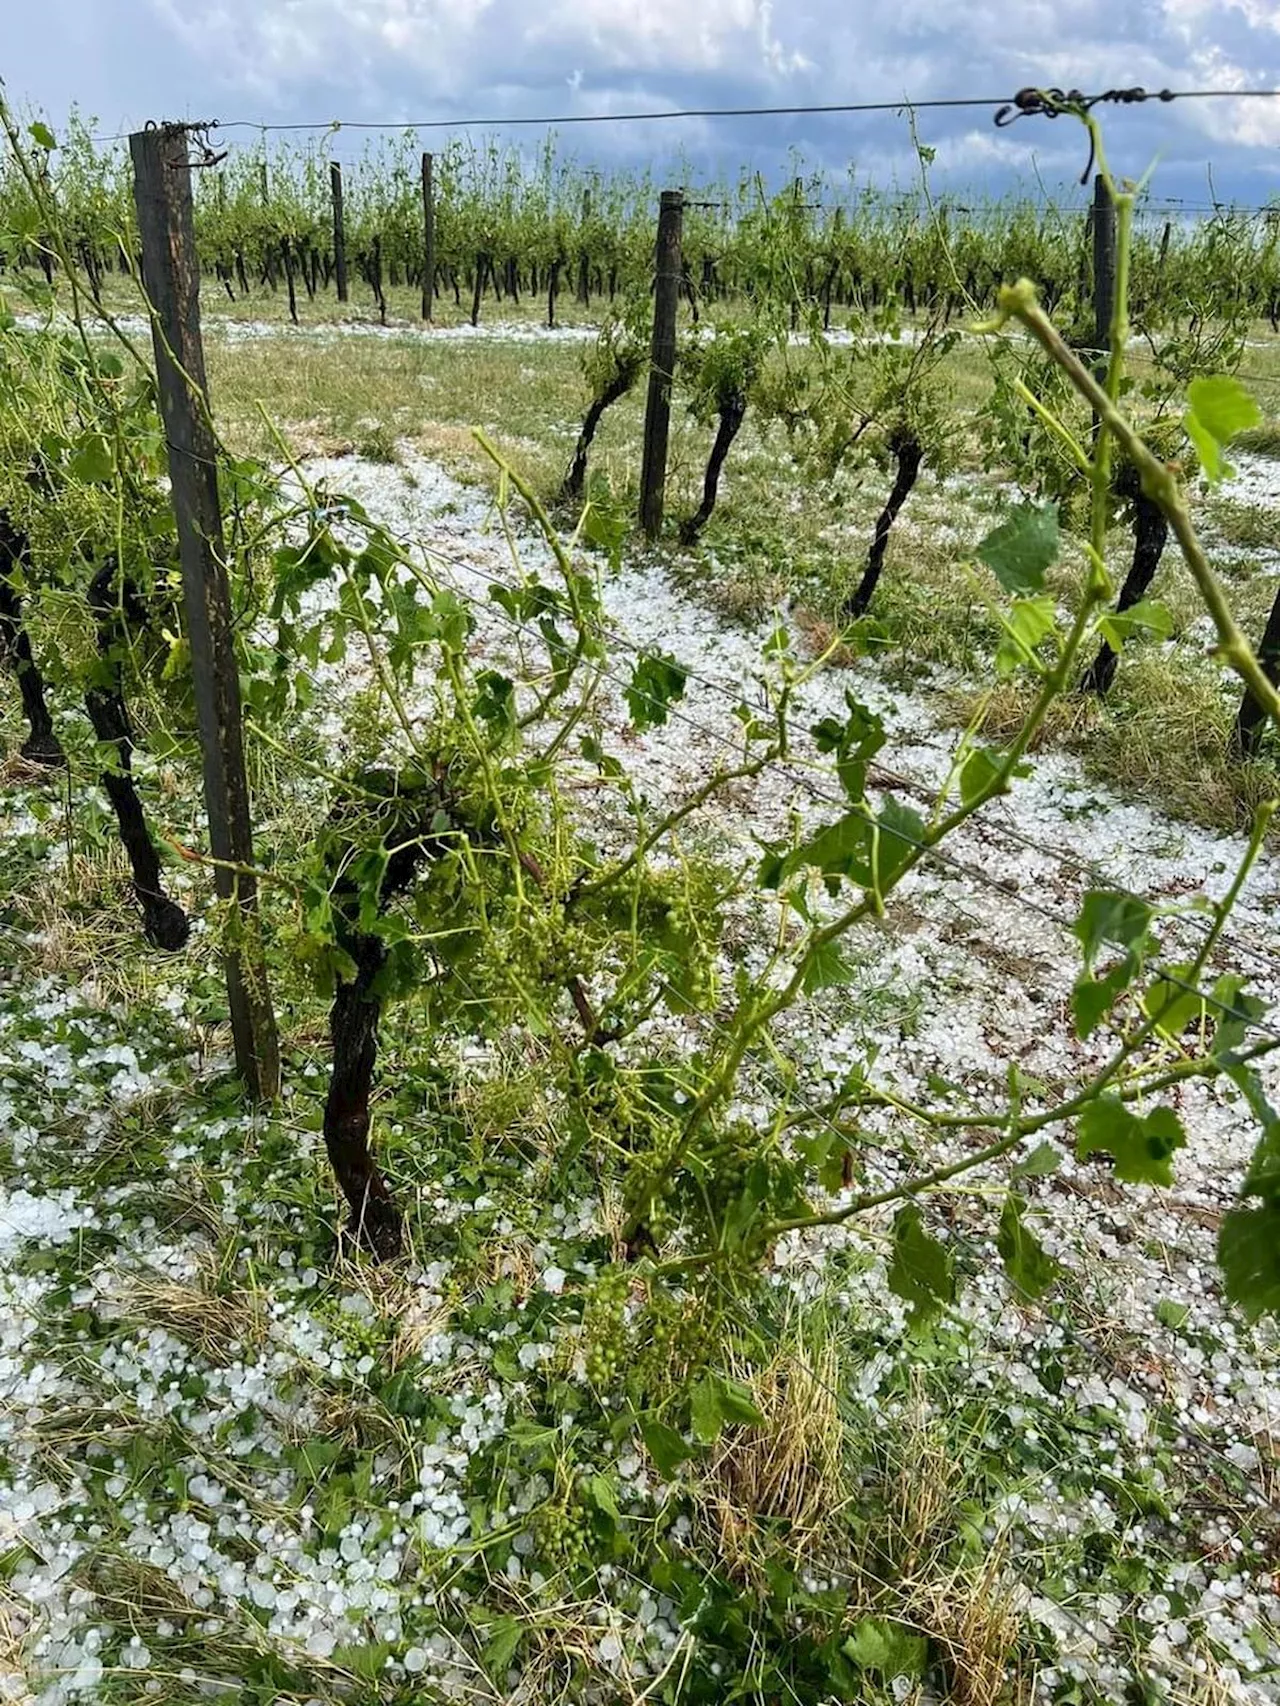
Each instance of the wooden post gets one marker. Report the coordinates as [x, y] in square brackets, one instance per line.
[662, 361]
[339, 230]
[171, 278]
[428, 238]
[1104, 267]
[584, 258]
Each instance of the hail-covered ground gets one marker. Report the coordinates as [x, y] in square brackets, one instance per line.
[231, 1466]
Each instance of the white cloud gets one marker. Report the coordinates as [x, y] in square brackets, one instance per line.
[398, 60]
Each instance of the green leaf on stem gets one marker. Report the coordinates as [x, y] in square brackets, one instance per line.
[1218, 408]
[502, 1645]
[1141, 1145]
[1093, 997]
[922, 1271]
[900, 837]
[1233, 1011]
[716, 1402]
[495, 701]
[827, 968]
[981, 768]
[666, 1447]
[1044, 1159]
[879, 1644]
[1145, 617]
[1027, 623]
[1020, 550]
[1109, 915]
[605, 526]
[657, 681]
[1249, 1255]
[1029, 1266]
[854, 742]
[1173, 1002]
[93, 461]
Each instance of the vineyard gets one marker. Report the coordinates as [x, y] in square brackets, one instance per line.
[638, 1014]
[507, 230]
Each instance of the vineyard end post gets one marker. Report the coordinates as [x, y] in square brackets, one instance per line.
[171, 278]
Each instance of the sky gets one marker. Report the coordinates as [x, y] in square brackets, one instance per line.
[291, 61]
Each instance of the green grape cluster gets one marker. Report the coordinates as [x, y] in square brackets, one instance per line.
[726, 1156]
[679, 1336]
[650, 1180]
[557, 949]
[604, 1327]
[560, 1529]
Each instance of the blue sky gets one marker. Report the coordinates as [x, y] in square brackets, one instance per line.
[126, 61]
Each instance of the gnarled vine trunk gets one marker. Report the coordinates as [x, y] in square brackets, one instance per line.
[164, 922]
[1252, 717]
[908, 454]
[1150, 535]
[733, 411]
[42, 745]
[376, 1223]
[575, 479]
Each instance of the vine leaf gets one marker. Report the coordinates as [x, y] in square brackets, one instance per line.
[841, 849]
[657, 681]
[879, 1644]
[922, 1271]
[1249, 1240]
[901, 837]
[1026, 1261]
[828, 968]
[854, 742]
[715, 1402]
[495, 701]
[1235, 1011]
[93, 461]
[1141, 1145]
[1249, 1255]
[1026, 623]
[1171, 1003]
[605, 527]
[666, 1447]
[1093, 997]
[502, 1645]
[980, 770]
[1218, 408]
[1110, 915]
[1145, 617]
[1020, 550]
[1044, 1159]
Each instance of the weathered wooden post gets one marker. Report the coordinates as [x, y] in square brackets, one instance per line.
[339, 230]
[171, 278]
[428, 237]
[1104, 267]
[662, 361]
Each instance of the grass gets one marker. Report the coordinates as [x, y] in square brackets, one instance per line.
[1249, 527]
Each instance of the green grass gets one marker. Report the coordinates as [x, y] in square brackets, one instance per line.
[1251, 527]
